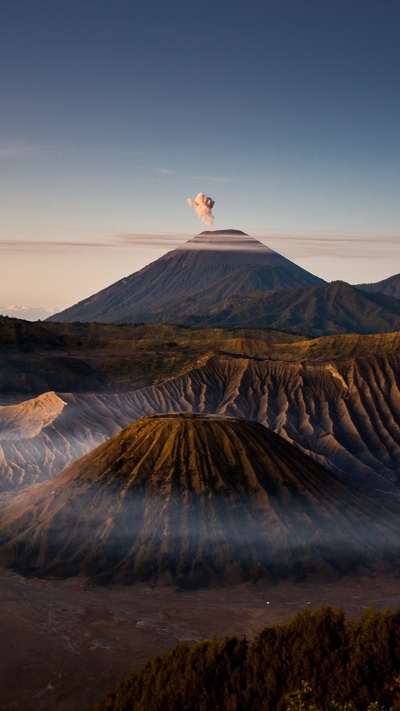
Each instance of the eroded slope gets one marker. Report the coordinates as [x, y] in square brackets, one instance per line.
[337, 398]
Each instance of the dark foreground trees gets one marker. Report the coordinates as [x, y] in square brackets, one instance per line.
[317, 662]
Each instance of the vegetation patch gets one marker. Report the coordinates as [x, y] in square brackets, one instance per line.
[318, 661]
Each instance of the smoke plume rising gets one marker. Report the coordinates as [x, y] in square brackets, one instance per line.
[203, 206]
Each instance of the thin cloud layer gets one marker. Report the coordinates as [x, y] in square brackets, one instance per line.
[15, 149]
[214, 179]
[328, 244]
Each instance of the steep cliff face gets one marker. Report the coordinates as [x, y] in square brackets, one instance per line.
[195, 500]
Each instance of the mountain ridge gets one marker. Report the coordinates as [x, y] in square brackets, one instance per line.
[337, 398]
[185, 271]
[389, 286]
[228, 278]
[321, 310]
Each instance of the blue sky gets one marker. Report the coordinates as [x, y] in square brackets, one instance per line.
[286, 113]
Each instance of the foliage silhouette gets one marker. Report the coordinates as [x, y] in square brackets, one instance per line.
[316, 662]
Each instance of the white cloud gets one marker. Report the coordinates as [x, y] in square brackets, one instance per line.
[29, 312]
[324, 243]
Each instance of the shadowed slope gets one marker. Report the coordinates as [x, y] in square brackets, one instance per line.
[316, 310]
[93, 357]
[389, 286]
[196, 499]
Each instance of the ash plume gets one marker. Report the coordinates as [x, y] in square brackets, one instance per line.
[203, 206]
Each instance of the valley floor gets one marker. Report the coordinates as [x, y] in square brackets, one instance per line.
[64, 644]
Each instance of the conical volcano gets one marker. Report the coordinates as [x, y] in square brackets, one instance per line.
[194, 500]
[231, 258]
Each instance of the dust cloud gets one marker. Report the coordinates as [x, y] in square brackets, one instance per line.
[203, 206]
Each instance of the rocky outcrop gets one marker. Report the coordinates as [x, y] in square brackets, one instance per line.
[27, 419]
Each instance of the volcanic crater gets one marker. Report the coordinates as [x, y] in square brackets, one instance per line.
[195, 500]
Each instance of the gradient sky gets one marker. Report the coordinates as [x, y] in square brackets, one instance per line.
[113, 112]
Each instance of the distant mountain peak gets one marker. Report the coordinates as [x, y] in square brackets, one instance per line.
[188, 271]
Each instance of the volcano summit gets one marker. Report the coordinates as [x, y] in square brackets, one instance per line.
[220, 261]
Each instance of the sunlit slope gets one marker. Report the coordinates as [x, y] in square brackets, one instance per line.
[337, 398]
[29, 418]
[194, 500]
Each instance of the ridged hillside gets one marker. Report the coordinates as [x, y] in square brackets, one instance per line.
[28, 419]
[195, 500]
[337, 398]
[320, 310]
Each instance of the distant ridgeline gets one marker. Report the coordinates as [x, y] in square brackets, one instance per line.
[316, 662]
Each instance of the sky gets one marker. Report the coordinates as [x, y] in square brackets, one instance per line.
[114, 112]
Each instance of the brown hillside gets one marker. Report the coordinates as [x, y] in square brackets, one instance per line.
[194, 500]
